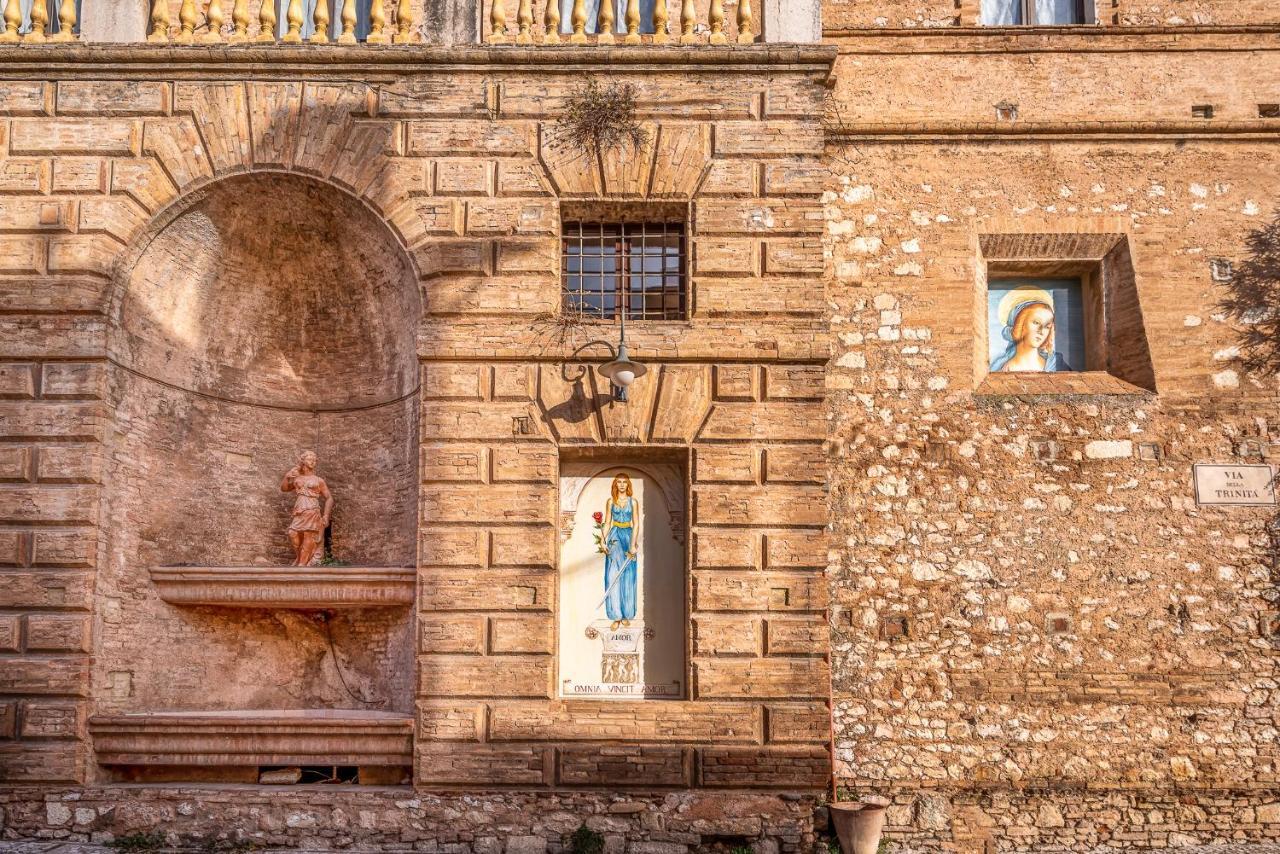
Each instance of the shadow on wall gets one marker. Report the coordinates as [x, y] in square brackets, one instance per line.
[1252, 300]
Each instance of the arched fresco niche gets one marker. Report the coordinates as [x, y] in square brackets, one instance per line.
[622, 614]
[269, 314]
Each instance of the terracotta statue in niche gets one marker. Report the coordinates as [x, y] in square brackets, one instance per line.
[306, 531]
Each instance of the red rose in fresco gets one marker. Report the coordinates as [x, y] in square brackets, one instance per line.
[599, 517]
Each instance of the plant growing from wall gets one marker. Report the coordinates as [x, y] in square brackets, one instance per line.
[139, 843]
[600, 119]
[584, 840]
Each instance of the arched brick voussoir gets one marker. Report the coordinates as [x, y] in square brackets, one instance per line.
[179, 150]
[573, 173]
[300, 126]
[627, 170]
[221, 114]
[686, 152]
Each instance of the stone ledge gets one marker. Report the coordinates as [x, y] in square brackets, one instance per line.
[1059, 384]
[286, 586]
[281, 60]
[273, 737]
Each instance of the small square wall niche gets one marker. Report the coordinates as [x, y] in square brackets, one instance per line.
[1059, 313]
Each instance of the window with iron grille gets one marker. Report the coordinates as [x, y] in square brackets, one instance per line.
[609, 266]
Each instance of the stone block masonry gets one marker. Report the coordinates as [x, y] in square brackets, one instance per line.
[424, 374]
[329, 819]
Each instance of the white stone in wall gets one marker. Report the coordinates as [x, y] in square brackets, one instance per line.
[1108, 449]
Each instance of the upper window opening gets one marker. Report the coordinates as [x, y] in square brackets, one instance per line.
[638, 267]
[1002, 13]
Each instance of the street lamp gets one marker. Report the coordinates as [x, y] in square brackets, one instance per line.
[621, 371]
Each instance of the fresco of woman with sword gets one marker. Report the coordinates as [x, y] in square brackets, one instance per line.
[619, 541]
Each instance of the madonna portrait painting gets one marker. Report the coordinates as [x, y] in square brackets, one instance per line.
[1033, 328]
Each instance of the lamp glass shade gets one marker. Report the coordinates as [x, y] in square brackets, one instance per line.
[622, 371]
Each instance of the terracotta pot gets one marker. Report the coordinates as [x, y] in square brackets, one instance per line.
[858, 826]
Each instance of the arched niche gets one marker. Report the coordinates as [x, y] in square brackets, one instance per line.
[267, 314]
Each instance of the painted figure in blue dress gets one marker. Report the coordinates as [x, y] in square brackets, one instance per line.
[621, 540]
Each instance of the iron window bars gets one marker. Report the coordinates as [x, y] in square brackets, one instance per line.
[639, 265]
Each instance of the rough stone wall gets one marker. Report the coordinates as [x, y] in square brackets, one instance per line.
[461, 165]
[1074, 80]
[329, 819]
[1038, 638]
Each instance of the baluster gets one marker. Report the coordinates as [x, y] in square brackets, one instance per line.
[320, 20]
[213, 17]
[348, 18]
[66, 22]
[159, 21]
[633, 22]
[377, 22]
[688, 20]
[187, 18]
[717, 22]
[293, 19]
[604, 23]
[239, 21]
[579, 21]
[551, 23]
[12, 22]
[746, 23]
[266, 21]
[39, 19]
[660, 22]
[524, 17]
[497, 22]
[404, 24]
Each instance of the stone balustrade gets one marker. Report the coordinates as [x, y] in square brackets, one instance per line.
[377, 22]
[401, 28]
[634, 27]
[38, 25]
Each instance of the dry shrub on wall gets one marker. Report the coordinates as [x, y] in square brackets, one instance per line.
[600, 119]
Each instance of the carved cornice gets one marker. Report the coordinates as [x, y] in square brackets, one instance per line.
[286, 587]
[366, 63]
[1073, 39]
[1243, 130]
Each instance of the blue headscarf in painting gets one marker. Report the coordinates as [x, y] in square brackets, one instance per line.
[1053, 360]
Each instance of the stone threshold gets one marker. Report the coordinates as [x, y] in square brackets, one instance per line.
[301, 587]
[252, 738]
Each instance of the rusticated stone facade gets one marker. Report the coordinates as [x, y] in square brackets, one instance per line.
[229, 266]
[989, 598]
